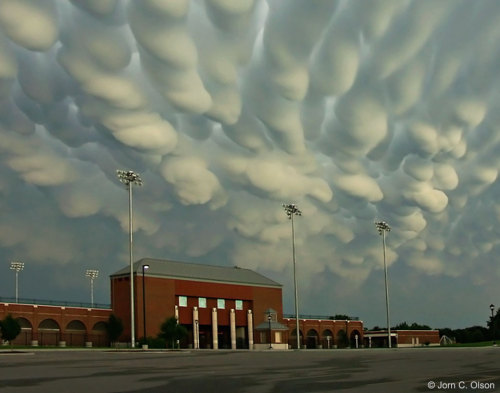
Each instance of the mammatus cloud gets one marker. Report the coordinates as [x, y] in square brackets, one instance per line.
[355, 111]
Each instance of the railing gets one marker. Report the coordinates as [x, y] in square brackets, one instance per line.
[41, 302]
[323, 317]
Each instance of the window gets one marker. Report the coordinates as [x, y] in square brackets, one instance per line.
[221, 304]
[183, 301]
[264, 337]
[277, 337]
[202, 302]
[238, 304]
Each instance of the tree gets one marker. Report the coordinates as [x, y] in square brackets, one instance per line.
[340, 317]
[10, 329]
[171, 331]
[413, 326]
[494, 326]
[446, 332]
[114, 327]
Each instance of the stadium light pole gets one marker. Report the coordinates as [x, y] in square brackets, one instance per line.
[144, 268]
[92, 274]
[382, 228]
[129, 178]
[17, 267]
[292, 210]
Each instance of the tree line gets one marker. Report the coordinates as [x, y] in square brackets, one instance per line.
[472, 334]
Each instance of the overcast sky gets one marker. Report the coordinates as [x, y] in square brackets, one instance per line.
[357, 111]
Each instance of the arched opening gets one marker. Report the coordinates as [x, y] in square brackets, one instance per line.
[312, 339]
[355, 339]
[100, 327]
[75, 333]
[48, 332]
[292, 341]
[327, 339]
[25, 337]
[99, 335]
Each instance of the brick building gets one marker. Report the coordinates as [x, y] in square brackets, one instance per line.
[323, 332]
[219, 306]
[402, 338]
[49, 325]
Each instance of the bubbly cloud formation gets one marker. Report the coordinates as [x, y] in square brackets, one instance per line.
[357, 111]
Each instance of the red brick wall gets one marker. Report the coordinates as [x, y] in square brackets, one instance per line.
[62, 315]
[160, 304]
[424, 336]
[120, 304]
[162, 296]
[265, 298]
[321, 327]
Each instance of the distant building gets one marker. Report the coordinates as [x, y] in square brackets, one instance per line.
[402, 338]
[323, 332]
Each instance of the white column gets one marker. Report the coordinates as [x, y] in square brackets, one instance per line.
[215, 338]
[176, 313]
[232, 321]
[250, 329]
[196, 329]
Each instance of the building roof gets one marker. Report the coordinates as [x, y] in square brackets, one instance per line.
[274, 326]
[198, 272]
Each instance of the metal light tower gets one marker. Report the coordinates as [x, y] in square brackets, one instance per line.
[130, 178]
[92, 274]
[382, 228]
[17, 267]
[292, 210]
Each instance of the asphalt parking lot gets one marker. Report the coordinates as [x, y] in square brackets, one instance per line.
[363, 370]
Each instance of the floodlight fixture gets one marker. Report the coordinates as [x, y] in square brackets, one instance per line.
[17, 267]
[92, 274]
[383, 228]
[130, 178]
[293, 210]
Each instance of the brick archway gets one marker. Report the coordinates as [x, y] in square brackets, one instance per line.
[99, 334]
[312, 340]
[75, 333]
[26, 335]
[327, 339]
[352, 338]
[49, 332]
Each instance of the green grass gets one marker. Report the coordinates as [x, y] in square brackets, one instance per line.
[476, 344]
